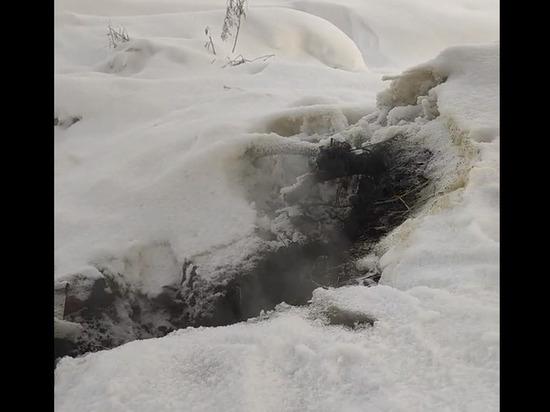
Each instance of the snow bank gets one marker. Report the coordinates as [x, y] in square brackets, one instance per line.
[354, 23]
[150, 145]
[135, 7]
[282, 33]
[390, 35]
[434, 341]
[463, 224]
[292, 34]
[424, 353]
[400, 33]
[130, 150]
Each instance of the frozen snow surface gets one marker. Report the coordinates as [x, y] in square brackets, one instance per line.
[151, 144]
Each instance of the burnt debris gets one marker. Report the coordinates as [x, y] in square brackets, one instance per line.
[374, 190]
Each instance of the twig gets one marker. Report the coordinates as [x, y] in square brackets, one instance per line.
[241, 60]
[402, 201]
[416, 189]
[116, 36]
[399, 197]
[209, 43]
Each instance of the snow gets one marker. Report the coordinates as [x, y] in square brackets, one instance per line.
[151, 151]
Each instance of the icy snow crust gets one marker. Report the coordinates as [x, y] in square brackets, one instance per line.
[152, 174]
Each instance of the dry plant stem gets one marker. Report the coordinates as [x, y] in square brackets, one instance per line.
[241, 60]
[399, 197]
[236, 36]
[212, 44]
[209, 44]
[117, 36]
[234, 11]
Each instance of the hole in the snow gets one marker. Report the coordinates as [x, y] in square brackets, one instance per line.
[321, 214]
[343, 207]
[350, 319]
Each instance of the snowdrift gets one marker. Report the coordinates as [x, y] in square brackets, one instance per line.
[308, 223]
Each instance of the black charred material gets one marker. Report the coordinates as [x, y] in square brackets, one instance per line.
[391, 176]
[340, 160]
[388, 179]
[111, 315]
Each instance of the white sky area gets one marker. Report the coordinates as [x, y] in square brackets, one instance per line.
[155, 159]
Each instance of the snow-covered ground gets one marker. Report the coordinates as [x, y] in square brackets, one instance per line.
[152, 140]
